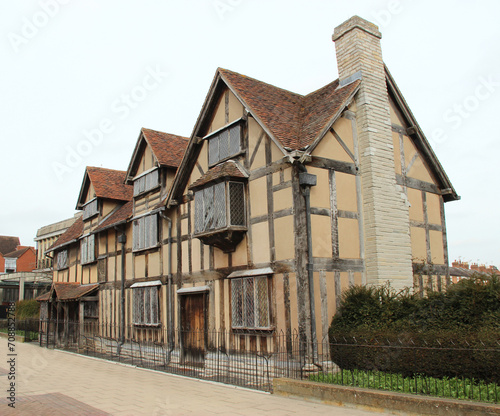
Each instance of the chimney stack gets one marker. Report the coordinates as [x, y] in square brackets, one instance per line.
[385, 212]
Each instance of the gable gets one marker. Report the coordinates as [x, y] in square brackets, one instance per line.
[420, 160]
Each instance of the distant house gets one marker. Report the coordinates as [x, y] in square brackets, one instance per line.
[46, 236]
[256, 223]
[7, 245]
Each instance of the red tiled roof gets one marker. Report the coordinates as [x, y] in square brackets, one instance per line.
[120, 215]
[44, 297]
[71, 234]
[167, 148]
[70, 291]
[110, 183]
[18, 253]
[229, 169]
[8, 244]
[295, 120]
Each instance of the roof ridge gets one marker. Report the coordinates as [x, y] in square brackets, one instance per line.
[261, 82]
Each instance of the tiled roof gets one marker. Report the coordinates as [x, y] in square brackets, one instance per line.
[120, 215]
[295, 120]
[110, 183]
[44, 297]
[70, 291]
[17, 253]
[8, 244]
[71, 234]
[229, 169]
[168, 148]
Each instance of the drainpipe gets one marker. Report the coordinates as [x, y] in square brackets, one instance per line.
[122, 238]
[169, 287]
[306, 181]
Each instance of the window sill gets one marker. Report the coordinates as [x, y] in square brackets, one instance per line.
[253, 331]
[89, 263]
[146, 326]
[143, 250]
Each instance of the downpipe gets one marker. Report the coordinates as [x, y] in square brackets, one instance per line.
[122, 239]
[306, 181]
[170, 335]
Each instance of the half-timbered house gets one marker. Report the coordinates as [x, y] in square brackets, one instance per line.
[276, 203]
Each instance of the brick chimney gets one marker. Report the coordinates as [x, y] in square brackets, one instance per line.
[385, 213]
[474, 266]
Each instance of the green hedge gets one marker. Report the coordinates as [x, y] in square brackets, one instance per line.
[450, 334]
[27, 309]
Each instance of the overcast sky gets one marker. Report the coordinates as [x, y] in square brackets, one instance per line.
[79, 78]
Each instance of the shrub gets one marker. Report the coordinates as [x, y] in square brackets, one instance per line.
[443, 334]
[26, 309]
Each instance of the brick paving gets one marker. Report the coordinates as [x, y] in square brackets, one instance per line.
[51, 382]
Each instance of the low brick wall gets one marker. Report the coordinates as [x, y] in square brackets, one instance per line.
[403, 404]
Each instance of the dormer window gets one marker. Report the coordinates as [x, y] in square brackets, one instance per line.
[90, 209]
[146, 181]
[224, 143]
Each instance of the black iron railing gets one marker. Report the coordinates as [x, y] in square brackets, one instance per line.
[254, 359]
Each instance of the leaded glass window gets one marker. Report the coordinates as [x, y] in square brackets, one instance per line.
[250, 303]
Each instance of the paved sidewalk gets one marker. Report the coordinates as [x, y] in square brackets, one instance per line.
[51, 382]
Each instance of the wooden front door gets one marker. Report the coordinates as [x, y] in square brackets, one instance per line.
[193, 328]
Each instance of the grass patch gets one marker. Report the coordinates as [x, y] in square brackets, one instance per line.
[455, 388]
[31, 335]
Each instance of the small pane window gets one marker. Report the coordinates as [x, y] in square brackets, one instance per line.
[224, 144]
[250, 303]
[62, 259]
[145, 306]
[90, 209]
[146, 182]
[145, 232]
[87, 249]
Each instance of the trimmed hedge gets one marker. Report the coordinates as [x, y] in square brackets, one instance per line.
[450, 334]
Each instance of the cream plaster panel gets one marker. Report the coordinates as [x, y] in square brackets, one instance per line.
[283, 199]
[437, 249]
[112, 240]
[330, 148]
[433, 208]
[140, 266]
[254, 132]
[185, 257]
[240, 257]
[343, 128]
[418, 245]
[317, 306]
[154, 264]
[395, 118]
[196, 258]
[321, 236]
[260, 242]
[358, 279]
[219, 117]
[348, 238]
[320, 194]
[280, 303]
[409, 149]
[416, 208]
[112, 269]
[420, 171]
[397, 152]
[107, 207]
[184, 226]
[276, 153]
[344, 281]
[284, 236]
[276, 178]
[258, 196]
[287, 174]
[235, 108]
[220, 259]
[346, 192]
[203, 157]
[330, 291]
